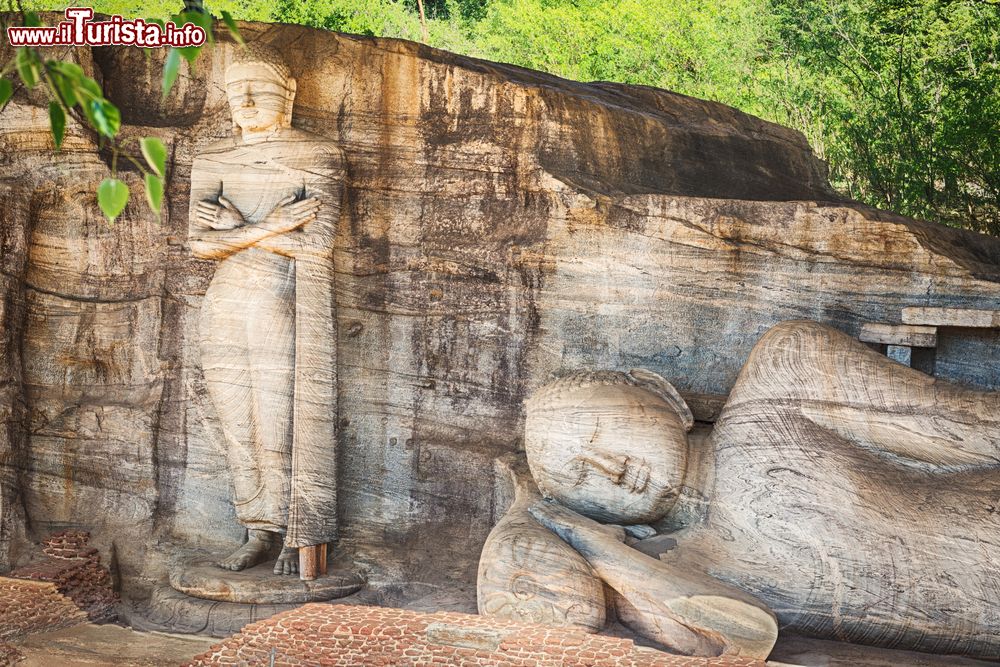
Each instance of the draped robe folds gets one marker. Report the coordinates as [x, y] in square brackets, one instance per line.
[268, 338]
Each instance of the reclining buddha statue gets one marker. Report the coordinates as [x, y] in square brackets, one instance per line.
[840, 495]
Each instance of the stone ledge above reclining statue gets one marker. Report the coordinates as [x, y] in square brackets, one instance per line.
[840, 495]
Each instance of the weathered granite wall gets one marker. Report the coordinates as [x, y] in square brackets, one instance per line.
[13, 261]
[686, 286]
[499, 225]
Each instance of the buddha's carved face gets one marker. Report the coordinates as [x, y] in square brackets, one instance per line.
[615, 452]
[259, 99]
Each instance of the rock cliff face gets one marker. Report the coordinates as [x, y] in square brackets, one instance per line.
[499, 226]
[13, 261]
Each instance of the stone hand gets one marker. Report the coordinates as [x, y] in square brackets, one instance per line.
[290, 214]
[219, 216]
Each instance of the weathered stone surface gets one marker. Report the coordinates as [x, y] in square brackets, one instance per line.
[499, 227]
[13, 415]
[713, 276]
[93, 382]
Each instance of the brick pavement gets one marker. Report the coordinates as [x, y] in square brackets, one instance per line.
[65, 586]
[34, 606]
[76, 571]
[359, 636]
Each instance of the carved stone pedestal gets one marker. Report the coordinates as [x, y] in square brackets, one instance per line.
[259, 585]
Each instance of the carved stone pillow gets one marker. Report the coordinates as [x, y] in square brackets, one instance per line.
[528, 574]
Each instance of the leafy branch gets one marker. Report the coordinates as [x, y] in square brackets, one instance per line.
[71, 93]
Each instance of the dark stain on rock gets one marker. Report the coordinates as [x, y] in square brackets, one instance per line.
[133, 85]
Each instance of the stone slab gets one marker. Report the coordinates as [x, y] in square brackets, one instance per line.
[795, 651]
[256, 585]
[106, 645]
[899, 334]
[952, 317]
[901, 353]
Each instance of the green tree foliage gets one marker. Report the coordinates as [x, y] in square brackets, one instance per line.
[360, 17]
[715, 50]
[902, 98]
[899, 96]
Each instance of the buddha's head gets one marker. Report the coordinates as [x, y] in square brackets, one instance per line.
[260, 89]
[610, 445]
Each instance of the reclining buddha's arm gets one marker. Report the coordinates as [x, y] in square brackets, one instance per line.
[686, 610]
[843, 386]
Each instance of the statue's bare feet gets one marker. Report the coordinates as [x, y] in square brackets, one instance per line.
[254, 551]
[288, 561]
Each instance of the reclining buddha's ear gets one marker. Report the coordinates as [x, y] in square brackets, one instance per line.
[659, 386]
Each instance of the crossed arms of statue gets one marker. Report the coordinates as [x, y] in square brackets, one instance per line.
[298, 225]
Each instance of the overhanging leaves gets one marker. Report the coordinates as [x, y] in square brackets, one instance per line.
[57, 121]
[6, 91]
[170, 70]
[234, 29]
[26, 63]
[112, 196]
[154, 192]
[155, 153]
